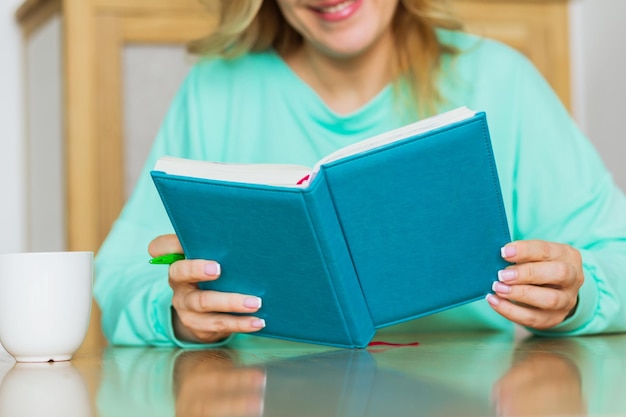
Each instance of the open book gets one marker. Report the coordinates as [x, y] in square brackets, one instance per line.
[392, 228]
[297, 175]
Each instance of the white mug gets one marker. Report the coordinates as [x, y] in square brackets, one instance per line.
[45, 304]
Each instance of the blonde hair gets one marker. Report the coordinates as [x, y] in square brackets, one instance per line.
[257, 25]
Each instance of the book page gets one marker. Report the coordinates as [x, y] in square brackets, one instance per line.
[267, 174]
[413, 129]
[297, 175]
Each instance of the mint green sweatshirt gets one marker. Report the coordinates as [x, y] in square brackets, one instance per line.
[255, 109]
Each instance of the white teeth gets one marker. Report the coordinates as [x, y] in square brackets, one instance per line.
[336, 8]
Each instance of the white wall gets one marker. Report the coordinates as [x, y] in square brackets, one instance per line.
[599, 77]
[44, 148]
[12, 216]
[599, 87]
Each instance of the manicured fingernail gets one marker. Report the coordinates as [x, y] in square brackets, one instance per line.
[508, 251]
[212, 268]
[501, 288]
[507, 275]
[258, 323]
[493, 300]
[252, 302]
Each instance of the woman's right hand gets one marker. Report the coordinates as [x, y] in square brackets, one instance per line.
[202, 316]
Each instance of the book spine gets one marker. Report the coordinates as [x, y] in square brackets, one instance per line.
[332, 244]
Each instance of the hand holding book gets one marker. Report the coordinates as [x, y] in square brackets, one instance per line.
[400, 224]
[200, 316]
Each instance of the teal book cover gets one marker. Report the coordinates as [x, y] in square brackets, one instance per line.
[380, 234]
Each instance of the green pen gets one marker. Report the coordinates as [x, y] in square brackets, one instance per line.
[168, 259]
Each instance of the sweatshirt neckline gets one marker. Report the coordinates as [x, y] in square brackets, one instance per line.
[367, 116]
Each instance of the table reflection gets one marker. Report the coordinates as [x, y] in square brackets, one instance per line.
[445, 375]
[351, 383]
[208, 383]
[544, 380]
[583, 376]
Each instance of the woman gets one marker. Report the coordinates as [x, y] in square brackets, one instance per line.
[292, 80]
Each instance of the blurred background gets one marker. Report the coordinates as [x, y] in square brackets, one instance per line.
[85, 83]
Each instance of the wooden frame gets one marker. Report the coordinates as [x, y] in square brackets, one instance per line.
[94, 35]
[539, 29]
[96, 31]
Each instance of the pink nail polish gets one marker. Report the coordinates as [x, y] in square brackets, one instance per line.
[493, 300]
[507, 275]
[508, 251]
[252, 302]
[212, 268]
[258, 323]
[501, 288]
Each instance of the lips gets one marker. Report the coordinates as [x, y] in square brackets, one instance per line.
[336, 10]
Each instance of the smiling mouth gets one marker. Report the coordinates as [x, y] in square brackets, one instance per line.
[335, 8]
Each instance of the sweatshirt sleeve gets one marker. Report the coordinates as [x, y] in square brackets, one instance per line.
[564, 193]
[133, 295]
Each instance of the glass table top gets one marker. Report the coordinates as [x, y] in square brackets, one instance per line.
[443, 375]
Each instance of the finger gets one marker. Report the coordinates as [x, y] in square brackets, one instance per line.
[229, 392]
[207, 326]
[543, 298]
[534, 251]
[164, 244]
[524, 315]
[242, 401]
[555, 274]
[233, 380]
[202, 301]
[193, 271]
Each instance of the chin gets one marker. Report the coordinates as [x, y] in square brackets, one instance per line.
[349, 51]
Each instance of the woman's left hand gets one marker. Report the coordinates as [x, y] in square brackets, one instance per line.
[541, 288]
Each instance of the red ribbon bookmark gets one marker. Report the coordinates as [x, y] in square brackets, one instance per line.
[302, 180]
[381, 343]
